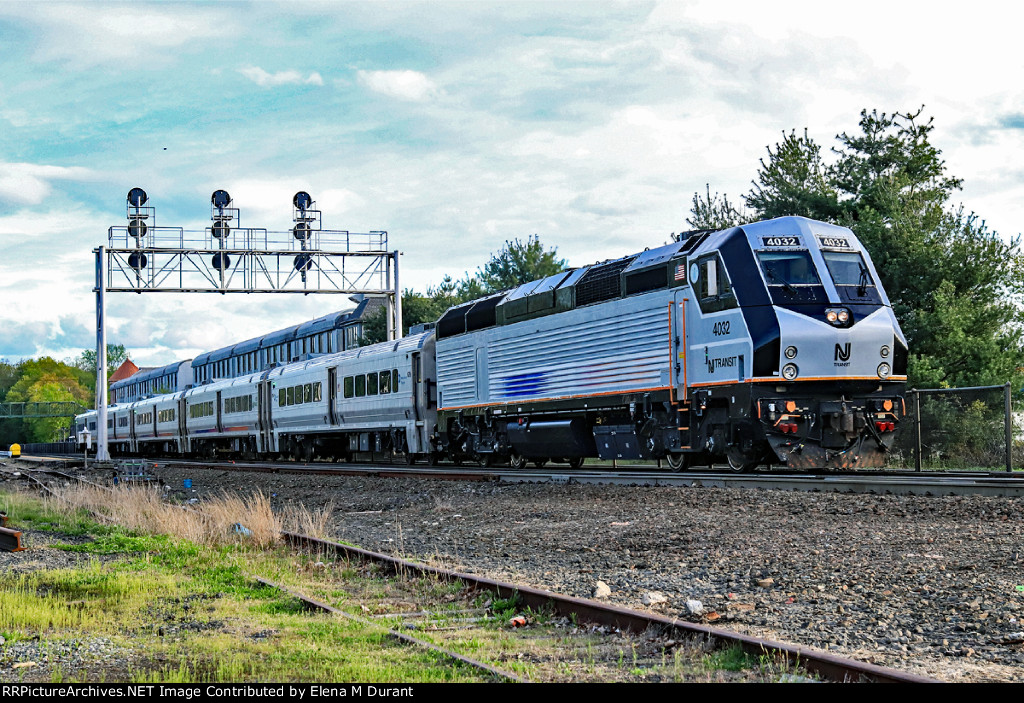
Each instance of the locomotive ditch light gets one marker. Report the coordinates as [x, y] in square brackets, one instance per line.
[884, 351]
[790, 371]
[884, 370]
[790, 352]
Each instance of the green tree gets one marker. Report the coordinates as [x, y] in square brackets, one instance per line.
[517, 263]
[46, 380]
[794, 181]
[713, 212]
[116, 355]
[949, 278]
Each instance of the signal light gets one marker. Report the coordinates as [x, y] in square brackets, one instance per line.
[137, 197]
[220, 199]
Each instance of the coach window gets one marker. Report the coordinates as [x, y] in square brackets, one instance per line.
[371, 383]
[316, 392]
[291, 395]
[360, 386]
[307, 393]
[350, 387]
[385, 382]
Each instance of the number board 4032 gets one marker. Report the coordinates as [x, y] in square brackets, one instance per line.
[834, 242]
[780, 241]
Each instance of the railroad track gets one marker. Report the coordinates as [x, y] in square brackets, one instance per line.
[994, 484]
[827, 666]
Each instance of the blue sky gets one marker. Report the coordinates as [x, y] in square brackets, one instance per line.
[454, 126]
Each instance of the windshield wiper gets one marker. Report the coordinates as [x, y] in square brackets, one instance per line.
[864, 281]
[776, 277]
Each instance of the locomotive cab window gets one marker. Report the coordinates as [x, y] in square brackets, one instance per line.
[712, 285]
[788, 268]
[851, 275]
[791, 277]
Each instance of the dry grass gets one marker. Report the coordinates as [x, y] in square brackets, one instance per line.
[225, 519]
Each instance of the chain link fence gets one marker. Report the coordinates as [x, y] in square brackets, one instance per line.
[958, 428]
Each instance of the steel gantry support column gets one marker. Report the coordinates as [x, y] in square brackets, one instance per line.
[398, 301]
[102, 453]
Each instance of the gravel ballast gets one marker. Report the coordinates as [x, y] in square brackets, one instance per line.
[933, 585]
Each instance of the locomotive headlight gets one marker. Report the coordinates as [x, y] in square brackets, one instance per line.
[837, 317]
[884, 351]
[790, 371]
[884, 370]
[790, 352]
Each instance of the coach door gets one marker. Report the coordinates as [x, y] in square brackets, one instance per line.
[220, 420]
[677, 345]
[263, 400]
[182, 426]
[332, 396]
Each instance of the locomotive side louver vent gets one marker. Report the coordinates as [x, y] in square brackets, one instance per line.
[601, 282]
[482, 314]
[651, 279]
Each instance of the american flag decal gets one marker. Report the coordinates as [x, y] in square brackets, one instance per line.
[681, 272]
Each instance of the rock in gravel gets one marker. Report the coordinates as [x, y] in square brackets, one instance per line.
[765, 583]
[694, 607]
[654, 598]
[601, 590]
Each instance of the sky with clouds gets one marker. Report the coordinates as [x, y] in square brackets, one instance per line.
[453, 126]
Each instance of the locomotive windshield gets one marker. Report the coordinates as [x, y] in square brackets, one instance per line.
[848, 268]
[788, 268]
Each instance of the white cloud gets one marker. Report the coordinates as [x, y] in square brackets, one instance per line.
[270, 80]
[29, 184]
[404, 85]
[91, 33]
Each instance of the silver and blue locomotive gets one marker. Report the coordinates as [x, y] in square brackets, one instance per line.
[769, 343]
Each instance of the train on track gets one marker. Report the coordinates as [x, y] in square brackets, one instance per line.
[770, 343]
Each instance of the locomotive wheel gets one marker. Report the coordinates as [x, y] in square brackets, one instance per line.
[742, 461]
[576, 462]
[677, 462]
[517, 461]
[540, 463]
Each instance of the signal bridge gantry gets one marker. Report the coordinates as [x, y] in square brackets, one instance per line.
[141, 257]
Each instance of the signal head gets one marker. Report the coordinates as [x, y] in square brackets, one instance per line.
[302, 200]
[137, 197]
[220, 198]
